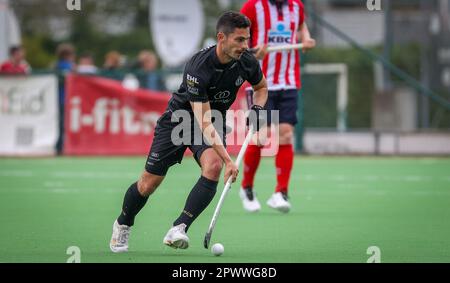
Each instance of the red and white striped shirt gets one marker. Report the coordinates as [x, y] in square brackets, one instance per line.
[269, 26]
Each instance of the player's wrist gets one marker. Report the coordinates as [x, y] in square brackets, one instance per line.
[257, 120]
[229, 162]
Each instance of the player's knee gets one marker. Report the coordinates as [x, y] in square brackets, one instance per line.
[286, 136]
[212, 169]
[147, 185]
[146, 188]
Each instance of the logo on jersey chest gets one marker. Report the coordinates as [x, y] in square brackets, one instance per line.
[222, 97]
[280, 35]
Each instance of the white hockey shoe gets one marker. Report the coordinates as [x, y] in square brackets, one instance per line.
[119, 239]
[279, 202]
[176, 237]
[249, 200]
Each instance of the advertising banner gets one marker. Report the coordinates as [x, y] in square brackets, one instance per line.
[28, 115]
[102, 117]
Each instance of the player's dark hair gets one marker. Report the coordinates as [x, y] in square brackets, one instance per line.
[231, 20]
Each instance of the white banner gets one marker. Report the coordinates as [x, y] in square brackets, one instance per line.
[28, 115]
[382, 143]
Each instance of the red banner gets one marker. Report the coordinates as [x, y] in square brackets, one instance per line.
[104, 118]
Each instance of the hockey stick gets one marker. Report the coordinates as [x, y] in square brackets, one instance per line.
[226, 189]
[286, 47]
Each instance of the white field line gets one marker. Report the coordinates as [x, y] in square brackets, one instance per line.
[70, 174]
[16, 173]
[53, 184]
[270, 176]
[77, 190]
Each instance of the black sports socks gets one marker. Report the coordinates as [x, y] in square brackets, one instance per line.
[133, 202]
[199, 198]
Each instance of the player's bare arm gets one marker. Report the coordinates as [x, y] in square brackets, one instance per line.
[305, 38]
[260, 92]
[260, 95]
[303, 34]
[202, 113]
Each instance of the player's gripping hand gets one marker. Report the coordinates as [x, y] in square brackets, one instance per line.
[256, 117]
[231, 170]
[261, 51]
[308, 44]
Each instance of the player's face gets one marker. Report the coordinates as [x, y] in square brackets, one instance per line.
[236, 42]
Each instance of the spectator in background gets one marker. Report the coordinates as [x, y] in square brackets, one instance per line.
[86, 64]
[16, 65]
[65, 53]
[113, 60]
[112, 65]
[148, 63]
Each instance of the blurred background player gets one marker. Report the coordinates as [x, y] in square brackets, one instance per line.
[276, 22]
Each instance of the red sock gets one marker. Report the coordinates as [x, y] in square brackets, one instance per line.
[283, 162]
[251, 161]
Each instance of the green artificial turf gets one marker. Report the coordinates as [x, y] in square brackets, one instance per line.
[340, 208]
